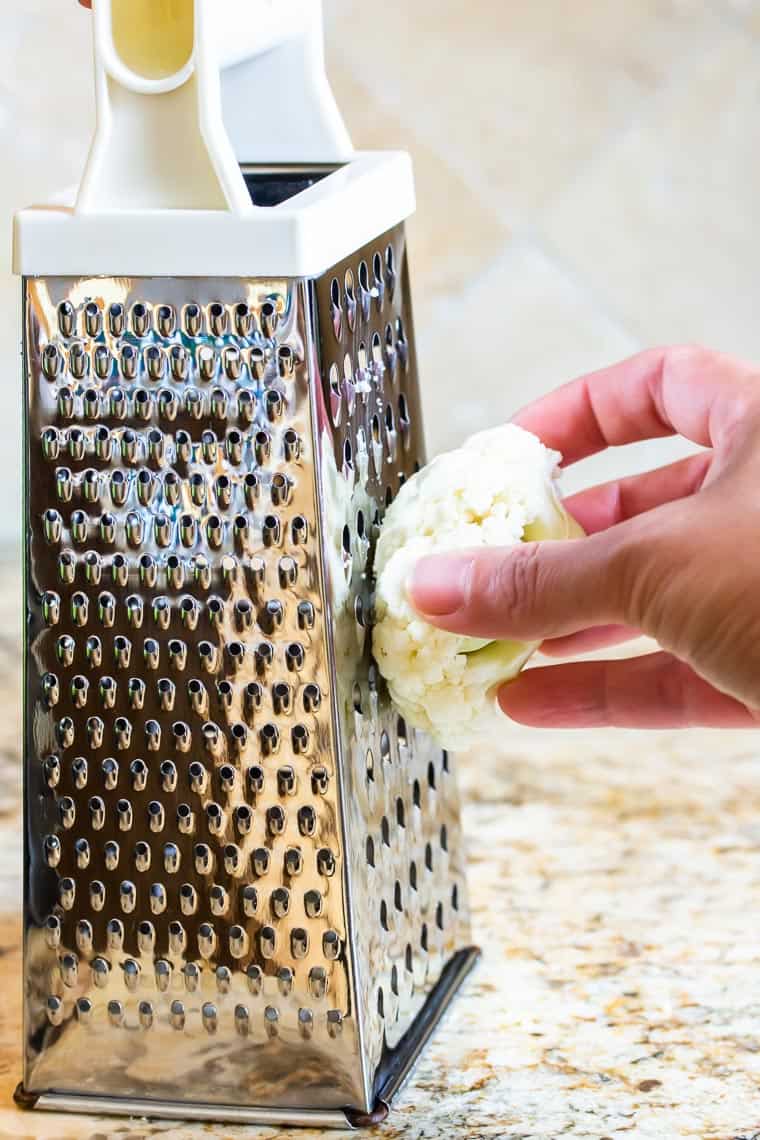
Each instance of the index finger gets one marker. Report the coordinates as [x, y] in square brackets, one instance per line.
[665, 391]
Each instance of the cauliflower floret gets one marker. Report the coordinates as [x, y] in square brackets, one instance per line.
[499, 489]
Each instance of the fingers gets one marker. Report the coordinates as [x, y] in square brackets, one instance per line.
[529, 592]
[664, 391]
[588, 640]
[604, 506]
[656, 691]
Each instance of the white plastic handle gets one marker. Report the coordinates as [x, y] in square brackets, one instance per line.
[165, 135]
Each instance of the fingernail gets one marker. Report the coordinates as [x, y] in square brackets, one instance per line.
[439, 584]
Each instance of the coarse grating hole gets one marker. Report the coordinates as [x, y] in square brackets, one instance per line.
[444, 838]
[429, 856]
[439, 916]
[431, 775]
[397, 898]
[455, 897]
[413, 875]
[380, 1002]
[370, 764]
[400, 812]
[385, 748]
[408, 958]
[384, 914]
[424, 937]
[385, 831]
[401, 730]
[445, 762]
[370, 851]
[416, 794]
[349, 285]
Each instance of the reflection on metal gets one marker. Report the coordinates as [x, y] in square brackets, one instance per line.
[242, 866]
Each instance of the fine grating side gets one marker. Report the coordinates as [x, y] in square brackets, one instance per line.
[244, 873]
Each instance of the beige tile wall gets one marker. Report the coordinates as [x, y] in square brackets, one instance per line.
[588, 176]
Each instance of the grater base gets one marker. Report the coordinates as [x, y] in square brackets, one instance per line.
[395, 1071]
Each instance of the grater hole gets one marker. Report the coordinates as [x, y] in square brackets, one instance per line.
[349, 285]
[385, 748]
[398, 901]
[384, 915]
[394, 981]
[370, 765]
[400, 812]
[439, 916]
[370, 849]
[413, 875]
[455, 897]
[424, 937]
[377, 268]
[380, 1002]
[385, 831]
[357, 697]
[445, 762]
[431, 776]
[408, 958]
[444, 838]
[416, 794]
[428, 857]
[390, 269]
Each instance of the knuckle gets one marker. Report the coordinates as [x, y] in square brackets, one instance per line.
[671, 686]
[642, 575]
[515, 580]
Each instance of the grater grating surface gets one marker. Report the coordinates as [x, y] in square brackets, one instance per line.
[245, 874]
[403, 833]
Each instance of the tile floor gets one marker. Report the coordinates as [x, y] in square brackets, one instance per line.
[587, 175]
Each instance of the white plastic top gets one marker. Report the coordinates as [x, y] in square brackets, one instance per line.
[186, 92]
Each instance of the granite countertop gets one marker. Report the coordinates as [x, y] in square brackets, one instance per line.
[615, 881]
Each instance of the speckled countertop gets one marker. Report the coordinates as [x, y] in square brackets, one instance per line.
[615, 881]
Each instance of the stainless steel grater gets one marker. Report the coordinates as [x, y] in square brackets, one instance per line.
[245, 894]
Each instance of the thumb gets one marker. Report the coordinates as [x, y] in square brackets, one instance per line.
[529, 592]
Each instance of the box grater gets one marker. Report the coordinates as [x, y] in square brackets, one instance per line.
[245, 895]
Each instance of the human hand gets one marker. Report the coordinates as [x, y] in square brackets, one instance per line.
[673, 554]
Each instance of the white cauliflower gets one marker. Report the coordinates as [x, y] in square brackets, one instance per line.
[499, 489]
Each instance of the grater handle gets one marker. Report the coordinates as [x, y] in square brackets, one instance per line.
[278, 105]
[161, 140]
